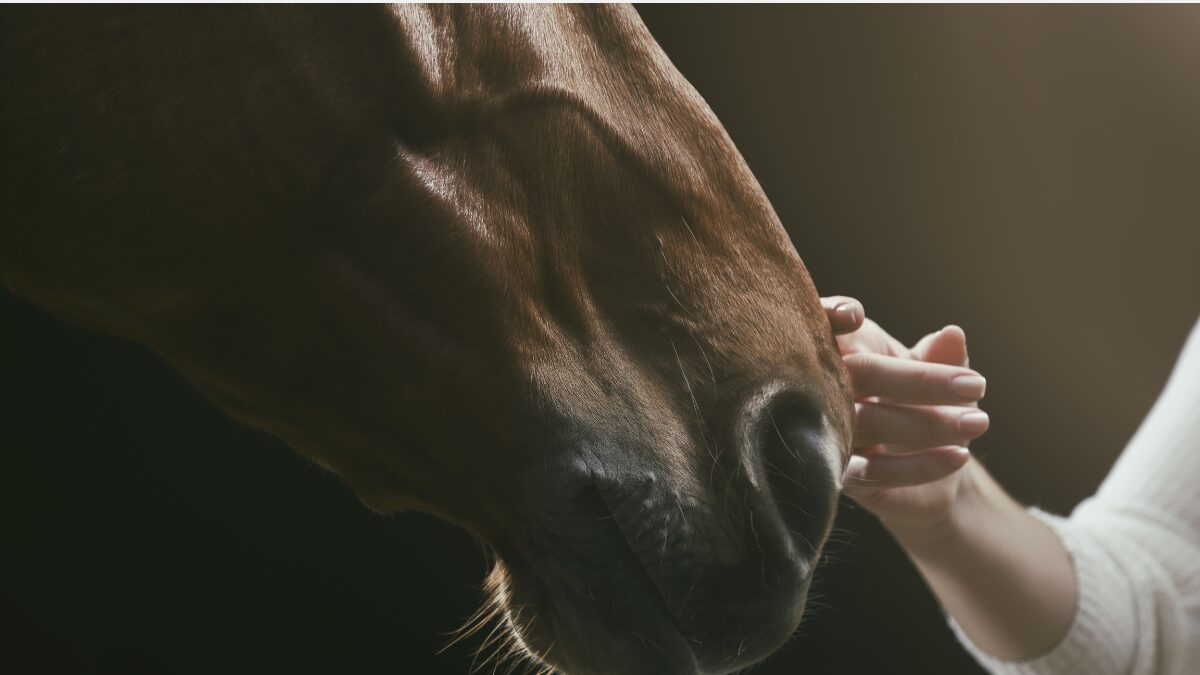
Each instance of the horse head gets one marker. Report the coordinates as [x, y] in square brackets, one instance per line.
[503, 265]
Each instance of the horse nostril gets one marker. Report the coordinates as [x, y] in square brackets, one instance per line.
[791, 441]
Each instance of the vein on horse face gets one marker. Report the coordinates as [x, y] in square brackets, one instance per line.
[695, 405]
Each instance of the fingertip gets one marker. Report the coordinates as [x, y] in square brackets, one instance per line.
[852, 312]
[846, 316]
[960, 457]
[945, 461]
[950, 458]
[829, 302]
[949, 346]
[970, 386]
[973, 423]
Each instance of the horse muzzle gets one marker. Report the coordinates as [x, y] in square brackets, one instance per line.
[635, 568]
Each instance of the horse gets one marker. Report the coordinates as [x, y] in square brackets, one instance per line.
[499, 264]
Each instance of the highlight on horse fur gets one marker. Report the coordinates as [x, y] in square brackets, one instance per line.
[501, 642]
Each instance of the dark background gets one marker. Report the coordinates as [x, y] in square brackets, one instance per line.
[1032, 174]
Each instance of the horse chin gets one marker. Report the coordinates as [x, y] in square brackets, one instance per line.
[564, 632]
[623, 622]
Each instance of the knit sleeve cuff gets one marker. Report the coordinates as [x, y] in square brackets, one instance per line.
[1097, 641]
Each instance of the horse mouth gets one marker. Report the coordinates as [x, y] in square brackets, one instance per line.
[620, 589]
[621, 533]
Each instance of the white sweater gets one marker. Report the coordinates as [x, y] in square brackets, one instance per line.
[1135, 546]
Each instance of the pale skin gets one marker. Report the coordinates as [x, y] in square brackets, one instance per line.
[999, 572]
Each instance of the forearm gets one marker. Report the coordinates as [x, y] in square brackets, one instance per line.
[1002, 574]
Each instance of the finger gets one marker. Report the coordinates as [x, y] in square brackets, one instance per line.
[948, 346]
[872, 339]
[920, 349]
[872, 473]
[920, 426]
[897, 348]
[845, 314]
[915, 382]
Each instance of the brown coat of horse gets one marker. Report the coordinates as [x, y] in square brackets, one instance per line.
[501, 264]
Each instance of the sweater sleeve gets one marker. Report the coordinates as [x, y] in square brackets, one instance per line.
[1135, 549]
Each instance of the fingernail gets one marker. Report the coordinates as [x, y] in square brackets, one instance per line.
[974, 422]
[849, 311]
[969, 386]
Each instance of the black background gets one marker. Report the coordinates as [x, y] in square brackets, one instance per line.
[1032, 174]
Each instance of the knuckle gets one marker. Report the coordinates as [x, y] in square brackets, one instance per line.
[859, 366]
[932, 383]
[934, 422]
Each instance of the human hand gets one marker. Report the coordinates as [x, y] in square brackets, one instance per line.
[916, 411]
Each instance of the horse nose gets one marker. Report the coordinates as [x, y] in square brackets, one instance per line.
[782, 502]
[797, 459]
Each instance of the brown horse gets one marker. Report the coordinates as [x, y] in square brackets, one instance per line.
[501, 264]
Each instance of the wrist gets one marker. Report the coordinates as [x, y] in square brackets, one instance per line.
[975, 496]
[1002, 574]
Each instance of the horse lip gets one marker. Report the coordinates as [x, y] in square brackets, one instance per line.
[628, 578]
[663, 601]
[623, 506]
